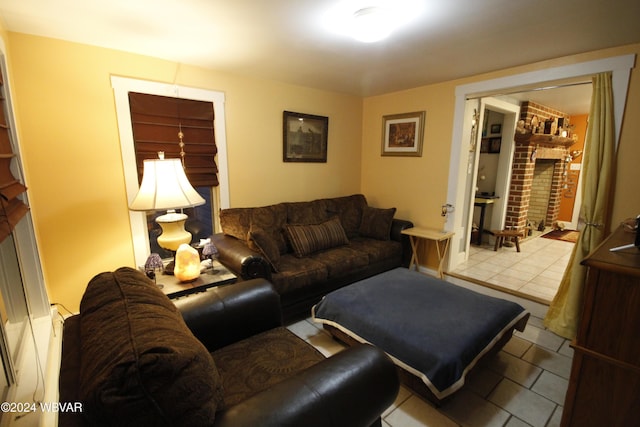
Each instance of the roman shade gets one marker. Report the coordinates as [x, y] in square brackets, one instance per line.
[156, 121]
[13, 208]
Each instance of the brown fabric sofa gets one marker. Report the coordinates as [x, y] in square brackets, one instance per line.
[218, 358]
[307, 249]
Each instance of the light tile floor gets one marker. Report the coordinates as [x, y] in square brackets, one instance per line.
[523, 385]
[535, 271]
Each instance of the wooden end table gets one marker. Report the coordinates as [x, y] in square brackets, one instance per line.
[217, 276]
[441, 239]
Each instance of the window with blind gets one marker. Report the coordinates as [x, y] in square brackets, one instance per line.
[156, 123]
[12, 207]
[22, 294]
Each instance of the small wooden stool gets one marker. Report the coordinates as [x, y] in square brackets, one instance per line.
[501, 234]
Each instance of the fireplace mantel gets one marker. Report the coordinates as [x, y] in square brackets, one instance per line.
[543, 139]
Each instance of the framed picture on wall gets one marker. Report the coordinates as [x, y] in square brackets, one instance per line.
[496, 128]
[494, 145]
[484, 145]
[304, 137]
[402, 134]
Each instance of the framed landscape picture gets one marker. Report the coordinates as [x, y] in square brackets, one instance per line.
[402, 134]
[304, 137]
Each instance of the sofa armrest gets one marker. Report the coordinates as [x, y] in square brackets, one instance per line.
[227, 314]
[240, 259]
[396, 229]
[396, 234]
[350, 389]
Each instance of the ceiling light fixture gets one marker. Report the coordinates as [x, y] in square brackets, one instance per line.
[371, 24]
[369, 21]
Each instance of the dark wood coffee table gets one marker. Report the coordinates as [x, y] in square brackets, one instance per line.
[217, 276]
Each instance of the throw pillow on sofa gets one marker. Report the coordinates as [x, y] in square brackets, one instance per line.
[263, 242]
[307, 239]
[349, 210]
[376, 222]
[141, 365]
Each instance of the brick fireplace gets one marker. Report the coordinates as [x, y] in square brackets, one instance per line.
[539, 169]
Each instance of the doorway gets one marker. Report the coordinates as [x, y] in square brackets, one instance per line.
[462, 174]
[491, 156]
[535, 271]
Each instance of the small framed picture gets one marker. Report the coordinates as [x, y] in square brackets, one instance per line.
[304, 137]
[496, 128]
[484, 145]
[494, 145]
[402, 134]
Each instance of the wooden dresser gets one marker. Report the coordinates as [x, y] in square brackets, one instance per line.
[604, 388]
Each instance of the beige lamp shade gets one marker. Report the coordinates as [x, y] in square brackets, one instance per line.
[165, 186]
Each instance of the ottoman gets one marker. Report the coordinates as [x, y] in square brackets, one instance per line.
[435, 331]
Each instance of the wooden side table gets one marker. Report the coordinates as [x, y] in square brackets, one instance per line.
[482, 202]
[441, 239]
[217, 276]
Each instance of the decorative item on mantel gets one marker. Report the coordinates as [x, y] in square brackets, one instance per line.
[187, 263]
[541, 138]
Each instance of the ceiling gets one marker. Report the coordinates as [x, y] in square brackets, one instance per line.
[569, 97]
[295, 41]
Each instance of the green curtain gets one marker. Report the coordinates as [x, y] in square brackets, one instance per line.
[564, 311]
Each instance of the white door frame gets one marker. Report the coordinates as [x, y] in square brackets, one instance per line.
[505, 163]
[460, 166]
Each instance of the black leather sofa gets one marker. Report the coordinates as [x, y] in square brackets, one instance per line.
[308, 249]
[218, 358]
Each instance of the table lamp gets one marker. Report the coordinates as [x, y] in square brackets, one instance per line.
[166, 187]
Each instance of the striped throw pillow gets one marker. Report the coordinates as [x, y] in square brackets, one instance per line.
[307, 239]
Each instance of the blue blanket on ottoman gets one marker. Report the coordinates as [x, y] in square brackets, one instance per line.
[433, 329]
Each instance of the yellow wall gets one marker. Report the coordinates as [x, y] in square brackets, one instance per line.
[71, 152]
[568, 204]
[418, 185]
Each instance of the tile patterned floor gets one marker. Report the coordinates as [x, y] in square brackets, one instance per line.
[523, 385]
[536, 270]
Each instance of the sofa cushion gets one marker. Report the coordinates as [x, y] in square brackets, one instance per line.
[272, 220]
[349, 210]
[307, 239]
[376, 223]
[313, 212]
[341, 261]
[141, 365]
[296, 273]
[254, 364]
[266, 244]
[378, 250]
[236, 222]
